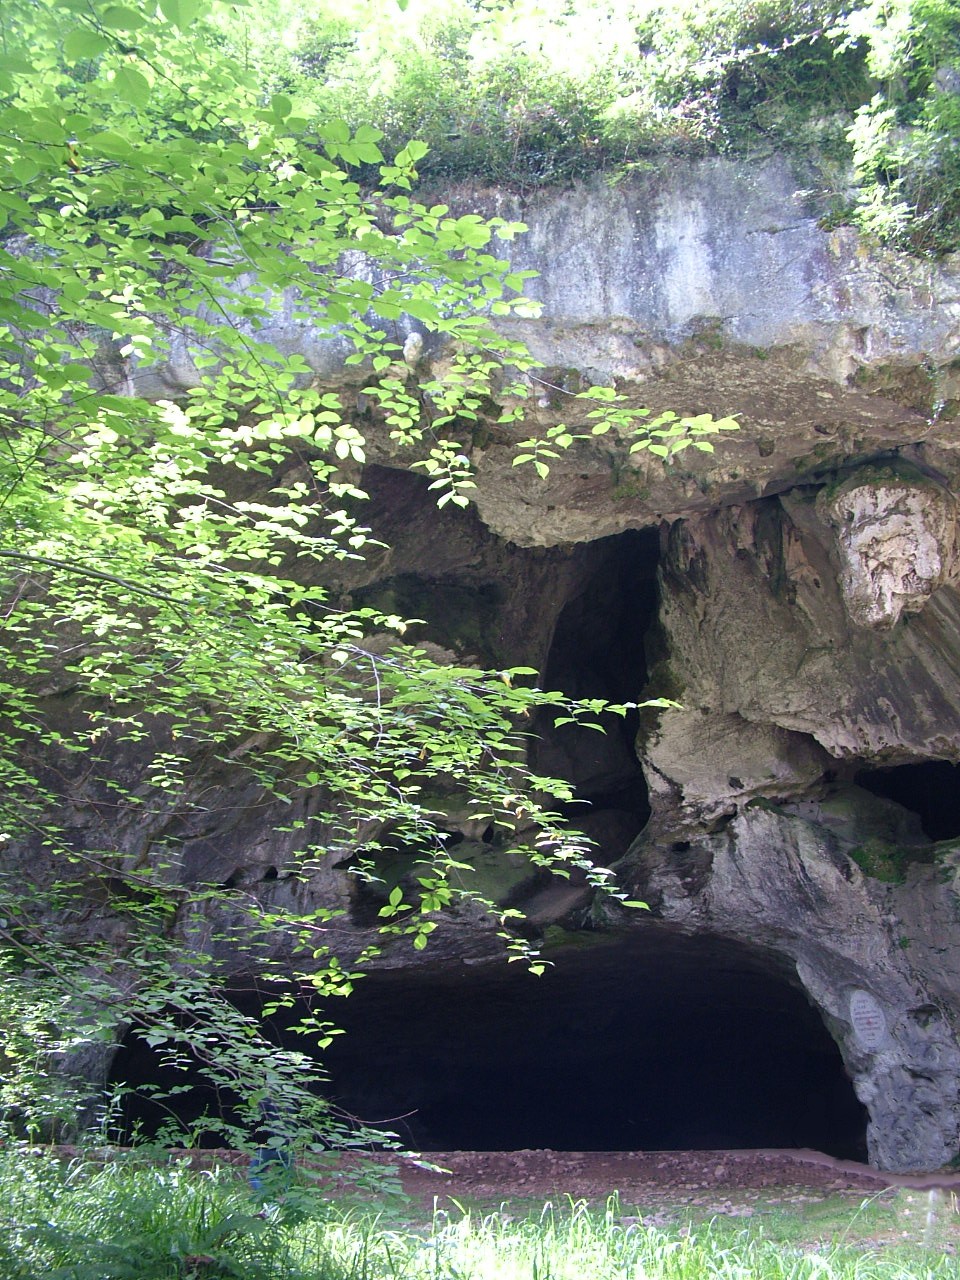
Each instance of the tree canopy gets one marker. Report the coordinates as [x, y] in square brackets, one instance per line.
[162, 552]
[524, 93]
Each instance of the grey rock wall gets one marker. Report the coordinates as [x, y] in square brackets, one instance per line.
[652, 259]
[785, 882]
[785, 635]
[808, 621]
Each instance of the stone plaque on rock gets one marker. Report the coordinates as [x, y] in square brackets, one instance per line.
[869, 1024]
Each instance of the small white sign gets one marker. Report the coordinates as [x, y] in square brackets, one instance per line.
[869, 1024]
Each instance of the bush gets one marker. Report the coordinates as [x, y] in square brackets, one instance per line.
[121, 1221]
[906, 139]
[506, 93]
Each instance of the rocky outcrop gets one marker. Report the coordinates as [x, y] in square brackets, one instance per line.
[786, 881]
[897, 540]
[806, 641]
[796, 593]
[762, 626]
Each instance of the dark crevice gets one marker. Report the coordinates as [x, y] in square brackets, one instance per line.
[459, 616]
[597, 651]
[630, 797]
[930, 789]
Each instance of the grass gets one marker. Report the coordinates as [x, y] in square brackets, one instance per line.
[133, 1221]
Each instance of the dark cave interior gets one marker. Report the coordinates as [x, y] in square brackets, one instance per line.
[929, 788]
[657, 1042]
[597, 651]
[654, 1042]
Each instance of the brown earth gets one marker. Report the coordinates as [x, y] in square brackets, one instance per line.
[707, 1179]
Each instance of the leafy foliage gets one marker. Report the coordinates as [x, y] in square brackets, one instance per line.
[508, 91]
[174, 489]
[905, 138]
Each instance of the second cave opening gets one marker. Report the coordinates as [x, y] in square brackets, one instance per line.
[928, 788]
[597, 650]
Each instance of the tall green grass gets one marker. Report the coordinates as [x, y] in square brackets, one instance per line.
[126, 1222]
[122, 1221]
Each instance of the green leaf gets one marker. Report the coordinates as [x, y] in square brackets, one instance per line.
[12, 65]
[335, 130]
[366, 133]
[422, 309]
[414, 150]
[25, 169]
[119, 18]
[180, 13]
[83, 42]
[47, 129]
[131, 85]
[114, 146]
[471, 228]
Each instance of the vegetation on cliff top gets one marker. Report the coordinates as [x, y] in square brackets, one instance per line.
[528, 94]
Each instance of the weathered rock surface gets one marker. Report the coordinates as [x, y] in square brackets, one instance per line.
[787, 883]
[784, 631]
[796, 592]
[757, 625]
[897, 540]
[735, 246]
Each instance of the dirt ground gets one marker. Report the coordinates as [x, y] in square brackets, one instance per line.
[717, 1181]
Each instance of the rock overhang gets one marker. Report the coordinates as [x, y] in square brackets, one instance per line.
[801, 654]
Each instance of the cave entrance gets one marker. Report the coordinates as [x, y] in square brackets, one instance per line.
[656, 1042]
[929, 788]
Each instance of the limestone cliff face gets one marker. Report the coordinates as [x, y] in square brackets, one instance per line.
[797, 593]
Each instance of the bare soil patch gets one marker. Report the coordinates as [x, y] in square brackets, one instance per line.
[651, 1177]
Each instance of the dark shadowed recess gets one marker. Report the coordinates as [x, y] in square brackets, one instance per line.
[930, 789]
[654, 1042]
[597, 651]
[657, 1042]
